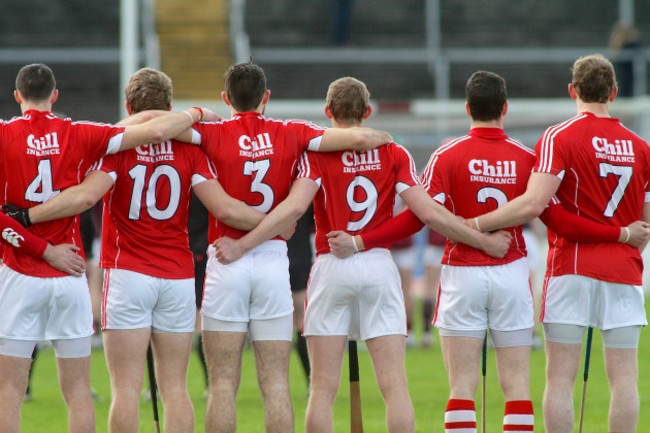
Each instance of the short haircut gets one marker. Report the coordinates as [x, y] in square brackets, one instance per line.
[348, 99]
[593, 78]
[35, 82]
[486, 95]
[149, 89]
[245, 86]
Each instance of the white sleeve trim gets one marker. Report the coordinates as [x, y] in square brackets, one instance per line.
[113, 175]
[196, 137]
[314, 143]
[114, 143]
[400, 187]
[197, 179]
[440, 197]
[647, 197]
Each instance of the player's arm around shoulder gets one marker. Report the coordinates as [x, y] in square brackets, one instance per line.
[354, 138]
[165, 127]
[277, 221]
[225, 208]
[539, 191]
[438, 218]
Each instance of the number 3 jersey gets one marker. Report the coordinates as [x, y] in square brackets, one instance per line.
[255, 159]
[146, 212]
[357, 189]
[473, 175]
[605, 172]
[41, 156]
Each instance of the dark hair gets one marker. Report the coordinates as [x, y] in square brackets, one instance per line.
[35, 82]
[593, 78]
[245, 85]
[486, 94]
[348, 99]
[149, 89]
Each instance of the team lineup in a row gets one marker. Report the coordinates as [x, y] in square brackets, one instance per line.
[588, 181]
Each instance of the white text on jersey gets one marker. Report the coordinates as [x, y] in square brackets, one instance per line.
[619, 151]
[255, 147]
[155, 152]
[500, 173]
[43, 146]
[361, 161]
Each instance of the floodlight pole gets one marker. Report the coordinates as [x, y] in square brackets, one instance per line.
[128, 45]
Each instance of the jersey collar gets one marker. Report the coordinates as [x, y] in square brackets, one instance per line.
[488, 133]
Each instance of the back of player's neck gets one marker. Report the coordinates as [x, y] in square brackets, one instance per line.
[35, 106]
[595, 108]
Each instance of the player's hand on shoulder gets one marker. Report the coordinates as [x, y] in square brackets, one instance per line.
[498, 243]
[210, 116]
[341, 244]
[639, 233]
[227, 250]
[18, 213]
[286, 235]
[64, 257]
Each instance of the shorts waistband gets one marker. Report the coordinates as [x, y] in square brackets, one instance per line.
[273, 245]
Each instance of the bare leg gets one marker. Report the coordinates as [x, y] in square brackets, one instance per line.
[562, 363]
[326, 355]
[172, 355]
[405, 277]
[462, 357]
[223, 352]
[387, 355]
[126, 350]
[622, 372]
[272, 361]
[74, 376]
[513, 367]
[13, 383]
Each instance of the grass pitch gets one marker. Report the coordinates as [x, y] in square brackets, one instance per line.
[427, 384]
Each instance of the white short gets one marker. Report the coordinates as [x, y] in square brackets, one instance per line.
[473, 298]
[433, 255]
[65, 348]
[133, 301]
[584, 301]
[255, 287]
[405, 258]
[359, 296]
[34, 308]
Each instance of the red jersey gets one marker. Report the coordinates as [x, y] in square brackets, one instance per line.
[41, 156]
[357, 189]
[605, 172]
[146, 212]
[255, 159]
[473, 175]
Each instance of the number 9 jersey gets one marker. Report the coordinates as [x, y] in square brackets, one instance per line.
[357, 189]
[605, 172]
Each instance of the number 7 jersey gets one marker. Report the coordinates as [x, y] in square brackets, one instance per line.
[605, 172]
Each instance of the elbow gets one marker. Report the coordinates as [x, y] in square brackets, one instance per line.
[86, 201]
[533, 210]
[158, 135]
[362, 141]
[296, 211]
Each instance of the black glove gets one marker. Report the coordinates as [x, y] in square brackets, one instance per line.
[18, 213]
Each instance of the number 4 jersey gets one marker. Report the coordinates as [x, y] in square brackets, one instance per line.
[41, 156]
[146, 212]
[605, 172]
[357, 189]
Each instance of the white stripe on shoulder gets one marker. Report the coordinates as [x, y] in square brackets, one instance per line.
[428, 171]
[548, 142]
[521, 146]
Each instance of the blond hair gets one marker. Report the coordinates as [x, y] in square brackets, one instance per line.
[149, 89]
[593, 78]
[348, 99]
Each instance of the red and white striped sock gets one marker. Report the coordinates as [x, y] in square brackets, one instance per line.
[518, 417]
[460, 416]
